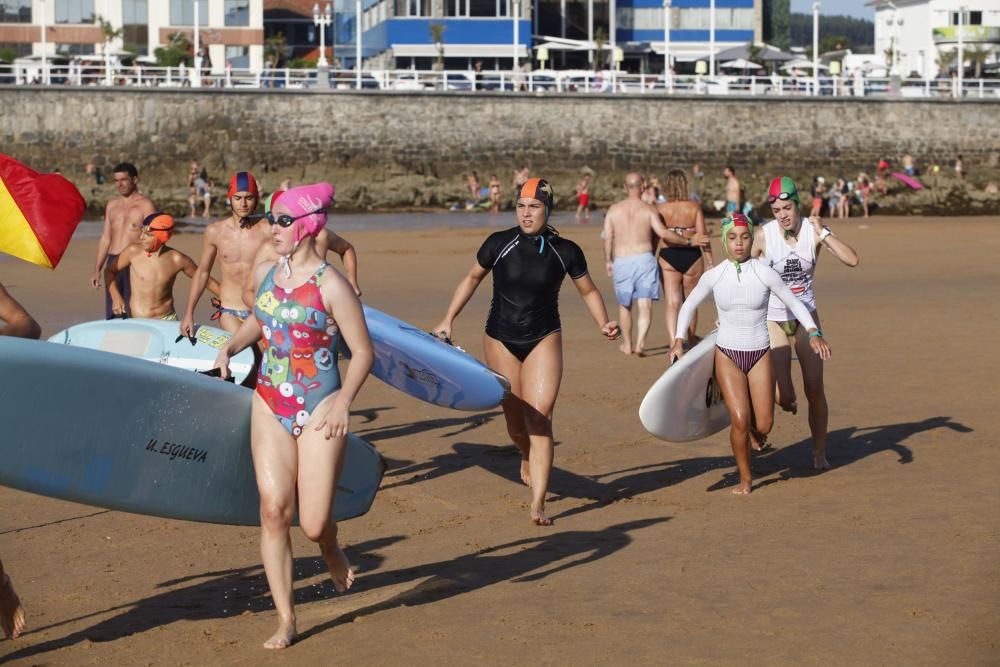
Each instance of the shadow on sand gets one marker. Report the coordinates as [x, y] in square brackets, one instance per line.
[232, 592]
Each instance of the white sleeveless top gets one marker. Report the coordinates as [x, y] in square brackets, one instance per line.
[741, 299]
[796, 267]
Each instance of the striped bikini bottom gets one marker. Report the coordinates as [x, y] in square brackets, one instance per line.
[744, 359]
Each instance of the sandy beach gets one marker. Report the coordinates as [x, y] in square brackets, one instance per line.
[893, 557]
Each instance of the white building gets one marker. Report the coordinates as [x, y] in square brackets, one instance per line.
[233, 30]
[917, 31]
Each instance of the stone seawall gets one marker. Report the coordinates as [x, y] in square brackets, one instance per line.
[404, 149]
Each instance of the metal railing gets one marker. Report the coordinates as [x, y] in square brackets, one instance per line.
[570, 81]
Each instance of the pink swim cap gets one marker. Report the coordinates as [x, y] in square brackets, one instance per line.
[306, 199]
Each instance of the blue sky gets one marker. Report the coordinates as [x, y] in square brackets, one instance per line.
[854, 8]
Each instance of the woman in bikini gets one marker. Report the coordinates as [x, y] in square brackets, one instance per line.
[523, 340]
[790, 245]
[681, 265]
[742, 287]
[300, 409]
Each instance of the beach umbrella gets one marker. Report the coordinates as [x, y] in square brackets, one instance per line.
[38, 213]
[739, 63]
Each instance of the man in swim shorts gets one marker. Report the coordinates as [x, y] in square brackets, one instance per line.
[733, 191]
[154, 266]
[122, 224]
[235, 241]
[630, 228]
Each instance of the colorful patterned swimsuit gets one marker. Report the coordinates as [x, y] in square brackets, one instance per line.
[299, 365]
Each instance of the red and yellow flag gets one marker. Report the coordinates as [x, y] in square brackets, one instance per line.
[38, 213]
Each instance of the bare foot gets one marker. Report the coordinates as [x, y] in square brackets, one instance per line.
[820, 462]
[283, 638]
[539, 518]
[743, 489]
[640, 352]
[525, 472]
[792, 407]
[625, 348]
[758, 441]
[11, 611]
[338, 565]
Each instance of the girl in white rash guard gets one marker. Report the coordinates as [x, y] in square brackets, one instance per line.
[742, 288]
[790, 245]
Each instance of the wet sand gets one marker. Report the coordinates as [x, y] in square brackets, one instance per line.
[890, 558]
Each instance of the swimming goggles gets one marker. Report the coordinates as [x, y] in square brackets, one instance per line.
[287, 220]
[783, 196]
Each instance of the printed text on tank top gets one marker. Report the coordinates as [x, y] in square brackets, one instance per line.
[795, 261]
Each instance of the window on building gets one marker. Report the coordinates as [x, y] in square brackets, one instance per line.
[15, 11]
[413, 7]
[74, 11]
[700, 19]
[482, 7]
[75, 49]
[9, 52]
[238, 57]
[135, 26]
[182, 12]
[237, 13]
[455, 7]
[970, 18]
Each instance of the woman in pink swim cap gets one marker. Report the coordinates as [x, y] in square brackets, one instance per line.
[301, 406]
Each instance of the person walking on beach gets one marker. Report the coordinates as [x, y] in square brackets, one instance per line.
[790, 246]
[523, 339]
[123, 218]
[742, 287]
[235, 240]
[583, 199]
[473, 184]
[495, 189]
[300, 420]
[682, 264]
[155, 266]
[734, 191]
[201, 190]
[631, 231]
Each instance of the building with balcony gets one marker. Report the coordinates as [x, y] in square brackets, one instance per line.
[231, 29]
[407, 33]
[917, 32]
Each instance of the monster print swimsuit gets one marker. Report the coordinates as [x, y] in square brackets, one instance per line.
[299, 365]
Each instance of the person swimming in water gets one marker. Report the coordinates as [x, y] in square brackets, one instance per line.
[300, 413]
[523, 339]
[154, 266]
[791, 247]
[742, 287]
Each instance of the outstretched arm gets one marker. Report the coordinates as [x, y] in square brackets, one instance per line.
[200, 280]
[14, 319]
[466, 288]
[595, 304]
[118, 305]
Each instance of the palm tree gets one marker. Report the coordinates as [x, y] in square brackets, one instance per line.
[945, 60]
[437, 38]
[600, 40]
[978, 55]
[275, 49]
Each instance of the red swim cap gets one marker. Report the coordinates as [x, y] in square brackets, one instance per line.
[243, 181]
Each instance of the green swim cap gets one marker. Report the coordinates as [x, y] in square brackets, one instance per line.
[782, 188]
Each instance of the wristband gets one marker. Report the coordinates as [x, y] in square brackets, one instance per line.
[816, 334]
[823, 234]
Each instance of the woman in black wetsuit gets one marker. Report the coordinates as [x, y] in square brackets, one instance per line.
[523, 340]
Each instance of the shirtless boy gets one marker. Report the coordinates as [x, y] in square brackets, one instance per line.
[631, 227]
[235, 241]
[122, 221]
[155, 266]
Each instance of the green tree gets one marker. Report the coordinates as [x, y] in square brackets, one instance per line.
[833, 43]
[437, 38]
[7, 54]
[600, 41]
[777, 23]
[859, 33]
[276, 49]
[977, 55]
[177, 51]
[754, 53]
